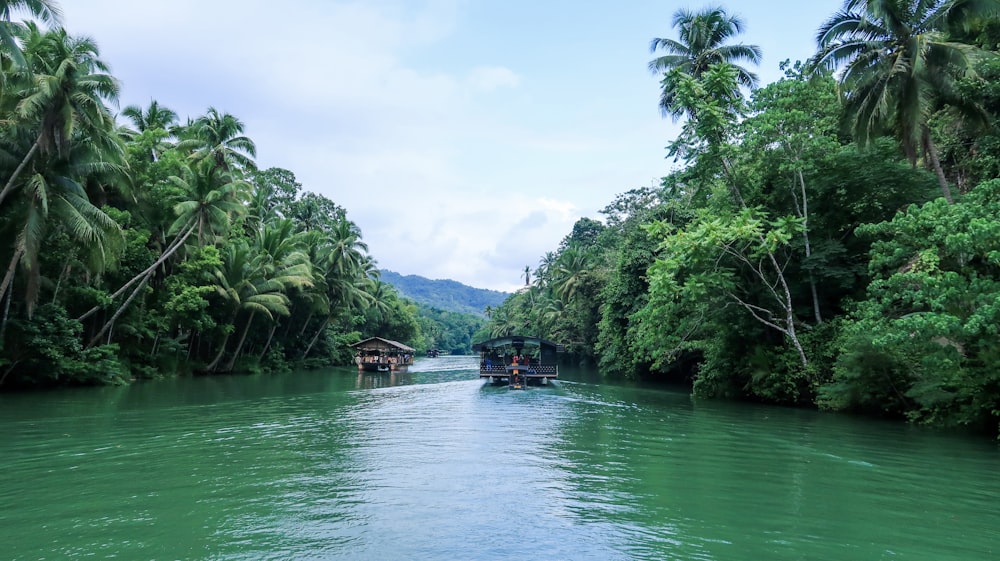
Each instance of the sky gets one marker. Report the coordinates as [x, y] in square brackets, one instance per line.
[464, 137]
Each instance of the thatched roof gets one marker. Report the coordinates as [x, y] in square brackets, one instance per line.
[380, 344]
[517, 341]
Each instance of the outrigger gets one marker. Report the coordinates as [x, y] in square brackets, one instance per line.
[518, 360]
[376, 354]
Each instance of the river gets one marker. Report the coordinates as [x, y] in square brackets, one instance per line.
[435, 464]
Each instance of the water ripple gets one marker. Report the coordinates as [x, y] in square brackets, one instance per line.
[436, 464]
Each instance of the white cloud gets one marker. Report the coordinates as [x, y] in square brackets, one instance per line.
[452, 168]
[489, 78]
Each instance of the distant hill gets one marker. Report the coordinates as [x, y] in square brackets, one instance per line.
[446, 295]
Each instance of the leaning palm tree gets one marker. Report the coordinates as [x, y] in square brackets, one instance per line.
[209, 200]
[67, 94]
[345, 271]
[244, 285]
[702, 38]
[898, 65]
[54, 198]
[285, 257]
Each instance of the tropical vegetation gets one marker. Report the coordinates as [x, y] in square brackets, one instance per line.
[136, 246]
[829, 240]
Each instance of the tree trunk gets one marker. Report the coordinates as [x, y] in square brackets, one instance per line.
[149, 270]
[789, 311]
[222, 350]
[239, 346]
[306, 324]
[936, 166]
[9, 277]
[267, 345]
[62, 276]
[119, 312]
[10, 182]
[786, 304]
[322, 329]
[805, 236]
[218, 357]
[6, 313]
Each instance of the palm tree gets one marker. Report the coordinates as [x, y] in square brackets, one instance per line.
[285, 258]
[702, 43]
[571, 269]
[346, 246]
[44, 10]
[55, 198]
[67, 94]
[346, 273]
[155, 123]
[212, 197]
[218, 137]
[244, 285]
[152, 118]
[898, 63]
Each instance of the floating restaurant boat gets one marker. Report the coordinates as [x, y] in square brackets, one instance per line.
[518, 360]
[376, 354]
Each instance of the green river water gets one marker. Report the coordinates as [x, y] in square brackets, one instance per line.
[434, 464]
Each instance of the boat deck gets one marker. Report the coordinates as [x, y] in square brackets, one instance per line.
[527, 371]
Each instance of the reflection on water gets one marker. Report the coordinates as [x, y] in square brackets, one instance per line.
[434, 463]
[370, 380]
[445, 368]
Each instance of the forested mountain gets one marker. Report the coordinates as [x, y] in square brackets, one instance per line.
[446, 295]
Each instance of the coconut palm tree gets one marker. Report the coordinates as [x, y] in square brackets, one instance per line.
[218, 137]
[244, 286]
[285, 257]
[347, 273]
[702, 42]
[152, 118]
[898, 65]
[54, 198]
[211, 198]
[44, 10]
[346, 246]
[66, 95]
[571, 268]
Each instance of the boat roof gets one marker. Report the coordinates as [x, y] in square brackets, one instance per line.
[517, 341]
[378, 343]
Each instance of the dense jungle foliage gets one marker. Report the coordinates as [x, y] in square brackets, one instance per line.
[142, 246]
[831, 239]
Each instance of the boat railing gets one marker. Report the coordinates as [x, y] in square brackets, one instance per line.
[501, 369]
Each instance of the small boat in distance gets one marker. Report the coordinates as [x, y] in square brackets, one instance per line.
[518, 360]
[433, 353]
[376, 354]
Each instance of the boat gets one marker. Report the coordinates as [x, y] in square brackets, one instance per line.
[376, 354]
[518, 360]
[433, 353]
